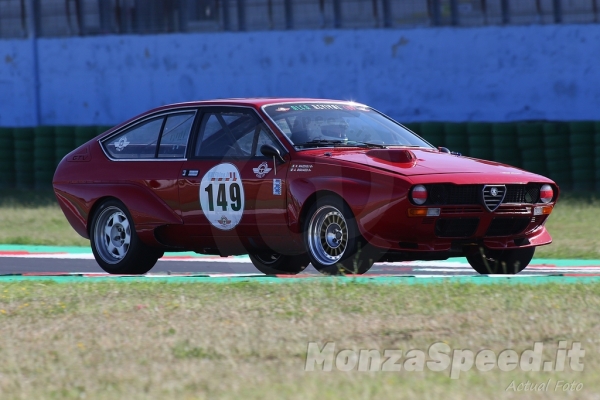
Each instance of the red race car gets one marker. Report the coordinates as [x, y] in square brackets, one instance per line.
[295, 181]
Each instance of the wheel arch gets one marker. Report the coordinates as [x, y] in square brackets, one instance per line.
[80, 203]
[97, 203]
[312, 199]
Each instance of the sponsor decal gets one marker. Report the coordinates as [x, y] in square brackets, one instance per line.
[301, 168]
[121, 143]
[222, 196]
[300, 107]
[312, 107]
[277, 187]
[262, 170]
[326, 107]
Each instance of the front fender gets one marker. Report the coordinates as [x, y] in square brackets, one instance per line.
[366, 192]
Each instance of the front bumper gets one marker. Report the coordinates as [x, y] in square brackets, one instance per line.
[509, 226]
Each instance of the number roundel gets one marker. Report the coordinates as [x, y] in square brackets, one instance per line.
[222, 196]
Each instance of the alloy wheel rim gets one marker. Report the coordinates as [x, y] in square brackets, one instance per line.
[112, 235]
[268, 258]
[328, 235]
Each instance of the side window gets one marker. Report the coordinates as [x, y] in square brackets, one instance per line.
[175, 135]
[136, 142]
[265, 138]
[231, 134]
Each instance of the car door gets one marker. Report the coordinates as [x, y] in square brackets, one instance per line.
[232, 197]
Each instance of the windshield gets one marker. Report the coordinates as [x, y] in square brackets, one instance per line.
[334, 124]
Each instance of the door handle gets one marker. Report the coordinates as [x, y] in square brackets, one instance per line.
[189, 172]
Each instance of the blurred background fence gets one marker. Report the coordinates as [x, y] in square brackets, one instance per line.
[568, 152]
[55, 18]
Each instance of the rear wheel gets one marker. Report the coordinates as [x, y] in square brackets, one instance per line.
[333, 241]
[115, 244]
[510, 261]
[272, 263]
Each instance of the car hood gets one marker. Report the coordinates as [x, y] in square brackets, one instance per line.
[418, 162]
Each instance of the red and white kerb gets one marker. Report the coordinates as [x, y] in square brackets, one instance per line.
[419, 194]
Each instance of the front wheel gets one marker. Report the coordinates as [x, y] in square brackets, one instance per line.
[115, 244]
[272, 263]
[492, 262]
[333, 241]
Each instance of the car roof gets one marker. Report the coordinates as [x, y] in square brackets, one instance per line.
[255, 102]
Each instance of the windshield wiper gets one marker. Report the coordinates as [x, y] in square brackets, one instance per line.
[323, 142]
[367, 144]
[341, 142]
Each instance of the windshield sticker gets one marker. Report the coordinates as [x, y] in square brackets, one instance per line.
[301, 168]
[282, 109]
[277, 187]
[262, 170]
[121, 143]
[305, 107]
[222, 196]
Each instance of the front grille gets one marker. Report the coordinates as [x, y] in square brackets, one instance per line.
[493, 196]
[507, 226]
[522, 194]
[456, 227]
[506, 209]
[449, 194]
[461, 210]
[452, 194]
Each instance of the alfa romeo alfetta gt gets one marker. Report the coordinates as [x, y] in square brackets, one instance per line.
[290, 182]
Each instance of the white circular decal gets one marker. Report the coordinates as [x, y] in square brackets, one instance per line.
[222, 196]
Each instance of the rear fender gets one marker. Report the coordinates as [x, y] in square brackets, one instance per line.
[78, 203]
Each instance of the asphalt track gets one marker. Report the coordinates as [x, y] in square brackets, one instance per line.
[36, 262]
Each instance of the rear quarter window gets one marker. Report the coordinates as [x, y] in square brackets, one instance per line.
[136, 142]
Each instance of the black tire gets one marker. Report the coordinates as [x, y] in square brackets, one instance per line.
[119, 251]
[272, 263]
[492, 262]
[333, 241]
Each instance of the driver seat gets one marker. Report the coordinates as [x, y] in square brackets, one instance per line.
[299, 132]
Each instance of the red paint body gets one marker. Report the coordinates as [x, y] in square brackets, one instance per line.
[375, 183]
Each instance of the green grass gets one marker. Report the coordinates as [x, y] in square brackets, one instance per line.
[34, 217]
[107, 340]
[574, 228]
[30, 217]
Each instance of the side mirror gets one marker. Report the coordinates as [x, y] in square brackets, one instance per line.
[446, 150]
[269, 151]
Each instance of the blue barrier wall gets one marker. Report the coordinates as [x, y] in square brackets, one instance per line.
[446, 74]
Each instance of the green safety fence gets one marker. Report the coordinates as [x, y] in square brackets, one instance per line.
[456, 137]
[581, 149]
[43, 156]
[567, 152]
[433, 132]
[530, 138]
[7, 158]
[479, 137]
[23, 139]
[505, 144]
[556, 151]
